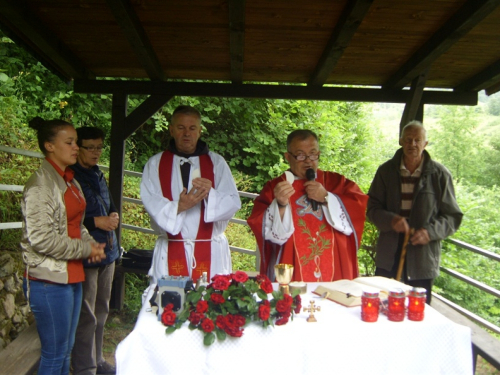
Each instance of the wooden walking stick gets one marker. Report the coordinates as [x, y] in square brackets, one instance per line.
[403, 254]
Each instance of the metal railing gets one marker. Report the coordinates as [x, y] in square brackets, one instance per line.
[486, 288]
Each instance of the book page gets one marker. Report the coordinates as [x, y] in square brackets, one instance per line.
[349, 287]
[383, 283]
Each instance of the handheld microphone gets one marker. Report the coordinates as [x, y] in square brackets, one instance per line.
[311, 176]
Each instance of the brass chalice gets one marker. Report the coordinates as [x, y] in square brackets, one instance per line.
[284, 273]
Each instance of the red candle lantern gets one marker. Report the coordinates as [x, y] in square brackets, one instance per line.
[416, 304]
[370, 303]
[396, 308]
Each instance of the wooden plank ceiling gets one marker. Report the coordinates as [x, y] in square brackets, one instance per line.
[382, 44]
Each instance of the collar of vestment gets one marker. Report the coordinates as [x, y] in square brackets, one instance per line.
[201, 149]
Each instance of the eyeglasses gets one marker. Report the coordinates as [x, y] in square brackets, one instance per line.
[302, 157]
[93, 148]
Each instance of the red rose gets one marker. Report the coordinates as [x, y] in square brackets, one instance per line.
[264, 311]
[288, 299]
[260, 278]
[195, 318]
[201, 306]
[207, 325]
[220, 321]
[234, 331]
[168, 318]
[240, 276]
[283, 320]
[169, 307]
[220, 282]
[298, 304]
[217, 298]
[283, 307]
[240, 320]
[266, 286]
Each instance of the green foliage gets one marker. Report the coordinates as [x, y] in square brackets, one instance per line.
[494, 105]
[453, 142]
[135, 285]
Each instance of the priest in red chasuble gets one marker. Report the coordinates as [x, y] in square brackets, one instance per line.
[309, 218]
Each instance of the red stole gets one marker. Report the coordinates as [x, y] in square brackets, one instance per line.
[313, 239]
[177, 263]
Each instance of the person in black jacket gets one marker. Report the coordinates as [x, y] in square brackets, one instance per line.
[101, 219]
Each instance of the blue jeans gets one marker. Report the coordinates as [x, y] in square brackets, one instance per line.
[56, 308]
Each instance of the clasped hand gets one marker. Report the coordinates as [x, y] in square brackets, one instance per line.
[97, 254]
[107, 223]
[284, 190]
[419, 237]
[199, 191]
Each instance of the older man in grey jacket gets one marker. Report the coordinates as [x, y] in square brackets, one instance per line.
[411, 193]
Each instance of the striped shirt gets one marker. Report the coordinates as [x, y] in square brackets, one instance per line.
[408, 182]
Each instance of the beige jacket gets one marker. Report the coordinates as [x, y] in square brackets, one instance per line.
[45, 243]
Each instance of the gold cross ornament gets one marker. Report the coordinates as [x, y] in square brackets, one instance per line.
[311, 310]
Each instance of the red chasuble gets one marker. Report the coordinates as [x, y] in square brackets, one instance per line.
[177, 264]
[317, 251]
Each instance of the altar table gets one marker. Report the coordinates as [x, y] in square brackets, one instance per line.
[338, 343]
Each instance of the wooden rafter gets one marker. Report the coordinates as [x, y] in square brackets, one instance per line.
[468, 16]
[483, 80]
[349, 21]
[42, 42]
[237, 38]
[270, 92]
[143, 113]
[135, 34]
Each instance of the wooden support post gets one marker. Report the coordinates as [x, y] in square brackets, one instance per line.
[122, 126]
[414, 109]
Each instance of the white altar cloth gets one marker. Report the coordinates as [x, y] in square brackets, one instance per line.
[338, 343]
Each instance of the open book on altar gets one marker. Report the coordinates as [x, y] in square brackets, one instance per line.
[348, 292]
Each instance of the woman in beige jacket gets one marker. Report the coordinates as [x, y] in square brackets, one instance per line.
[54, 243]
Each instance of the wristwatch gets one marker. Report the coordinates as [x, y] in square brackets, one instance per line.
[326, 199]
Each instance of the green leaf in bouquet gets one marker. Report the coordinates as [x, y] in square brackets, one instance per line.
[193, 297]
[170, 329]
[221, 335]
[262, 295]
[192, 327]
[209, 339]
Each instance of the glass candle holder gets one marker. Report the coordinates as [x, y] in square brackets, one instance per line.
[416, 304]
[370, 303]
[396, 308]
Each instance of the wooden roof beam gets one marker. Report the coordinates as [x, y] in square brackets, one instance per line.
[482, 80]
[136, 36]
[348, 23]
[41, 41]
[493, 89]
[466, 18]
[227, 90]
[237, 38]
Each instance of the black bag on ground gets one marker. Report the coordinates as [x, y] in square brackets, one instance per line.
[137, 258]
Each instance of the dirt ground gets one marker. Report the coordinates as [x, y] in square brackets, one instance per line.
[118, 326]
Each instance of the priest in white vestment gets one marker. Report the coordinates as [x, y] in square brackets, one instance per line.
[190, 194]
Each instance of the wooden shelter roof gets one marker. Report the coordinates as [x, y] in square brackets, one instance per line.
[377, 44]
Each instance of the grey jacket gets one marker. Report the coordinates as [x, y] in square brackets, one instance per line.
[45, 243]
[434, 208]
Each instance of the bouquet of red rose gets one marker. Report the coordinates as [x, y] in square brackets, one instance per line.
[230, 302]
